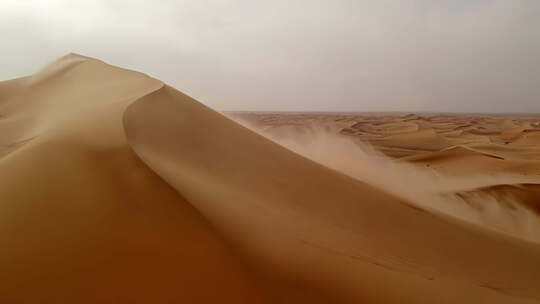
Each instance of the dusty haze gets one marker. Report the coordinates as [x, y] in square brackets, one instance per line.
[346, 55]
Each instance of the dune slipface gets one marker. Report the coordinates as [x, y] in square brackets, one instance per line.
[118, 188]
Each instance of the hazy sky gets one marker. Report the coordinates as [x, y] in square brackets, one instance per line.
[337, 55]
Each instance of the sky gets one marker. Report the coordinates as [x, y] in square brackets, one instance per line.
[298, 55]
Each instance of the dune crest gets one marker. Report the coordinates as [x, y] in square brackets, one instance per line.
[150, 196]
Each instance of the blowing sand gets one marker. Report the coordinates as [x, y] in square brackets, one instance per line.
[118, 188]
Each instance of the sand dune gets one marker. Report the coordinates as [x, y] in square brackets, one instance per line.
[83, 219]
[118, 188]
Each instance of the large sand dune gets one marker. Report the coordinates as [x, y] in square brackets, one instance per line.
[117, 188]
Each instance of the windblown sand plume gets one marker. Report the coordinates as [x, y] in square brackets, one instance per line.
[118, 188]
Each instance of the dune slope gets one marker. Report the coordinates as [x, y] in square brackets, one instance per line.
[82, 219]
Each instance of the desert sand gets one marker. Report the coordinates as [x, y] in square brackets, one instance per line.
[116, 188]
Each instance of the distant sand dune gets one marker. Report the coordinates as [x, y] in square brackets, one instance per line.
[118, 188]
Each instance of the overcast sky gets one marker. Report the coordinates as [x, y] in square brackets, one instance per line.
[332, 55]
